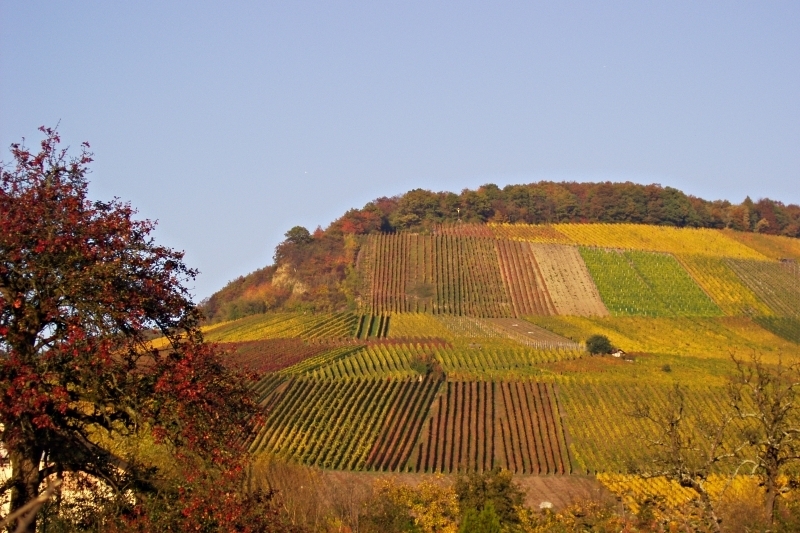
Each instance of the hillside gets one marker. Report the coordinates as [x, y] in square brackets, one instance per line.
[316, 271]
[461, 348]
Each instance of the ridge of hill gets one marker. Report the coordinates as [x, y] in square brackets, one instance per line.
[317, 271]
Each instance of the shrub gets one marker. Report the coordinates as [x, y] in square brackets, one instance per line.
[485, 521]
[598, 345]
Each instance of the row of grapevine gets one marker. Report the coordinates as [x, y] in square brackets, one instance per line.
[377, 360]
[568, 280]
[528, 334]
[386, 260]
[605, 437]
[328, 423]
[265, 389]
[470, 282]
[774, 283]
[464, 230]
[419, 325]
[401, 427]
[785, 328]
[284, 325]
[436, 274]
[475, 426]
[397, 360]
[772, 246]
[699, 337]
[699, 241]
[523, 279]
[447, 327]
[271, 355]
[529, 233]
[310, 364]
[723, 285]
[496, 361]
[640, 283]
[372, 326]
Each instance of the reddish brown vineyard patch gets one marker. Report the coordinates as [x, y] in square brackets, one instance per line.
[271, 355]
[481, 425]
[425, 341]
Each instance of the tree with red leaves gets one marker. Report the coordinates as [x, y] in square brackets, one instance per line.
[99, 340]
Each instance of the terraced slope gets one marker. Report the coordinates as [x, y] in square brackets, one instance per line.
[464, 350]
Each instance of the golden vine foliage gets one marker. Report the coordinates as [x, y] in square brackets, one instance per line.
[433, 505]
[700, 337]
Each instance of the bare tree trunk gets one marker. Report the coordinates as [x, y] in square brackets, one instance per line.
[770, 496]
[25, 459]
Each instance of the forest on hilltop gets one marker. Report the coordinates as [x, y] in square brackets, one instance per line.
[315, 271]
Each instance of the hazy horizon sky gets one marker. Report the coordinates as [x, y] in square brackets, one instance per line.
[231, 122]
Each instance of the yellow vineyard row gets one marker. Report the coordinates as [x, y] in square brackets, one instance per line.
[700, 337]
[701, 241]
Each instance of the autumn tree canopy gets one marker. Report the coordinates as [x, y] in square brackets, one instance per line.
[83, 291]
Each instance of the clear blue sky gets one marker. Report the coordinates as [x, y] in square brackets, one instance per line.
[231, 122]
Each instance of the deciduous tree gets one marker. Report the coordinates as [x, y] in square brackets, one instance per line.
[84, 290]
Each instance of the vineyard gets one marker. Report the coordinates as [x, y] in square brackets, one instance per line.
[697, 337]
[570, 284]
[330, 423]
[272, 355]
[464, 350]
[772, 246]
[477, 425]
[658, 239]
[774, 283]
[646, 284]
[439, 274]
[284, 326]
[785, 328]
[722, 284]
[523, 279]
[605, 437]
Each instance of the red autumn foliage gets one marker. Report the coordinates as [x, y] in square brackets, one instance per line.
[83, 289]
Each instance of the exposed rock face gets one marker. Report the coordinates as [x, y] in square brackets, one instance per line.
[283, 278]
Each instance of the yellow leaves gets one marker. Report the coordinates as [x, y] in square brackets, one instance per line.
[658, 239]
[636, 489]
[723, 285]
[700, 337]
[417, 325]
[432, 504]
[708, 242]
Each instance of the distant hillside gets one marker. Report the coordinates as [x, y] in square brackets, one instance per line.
[319, 271]
[465, 345]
